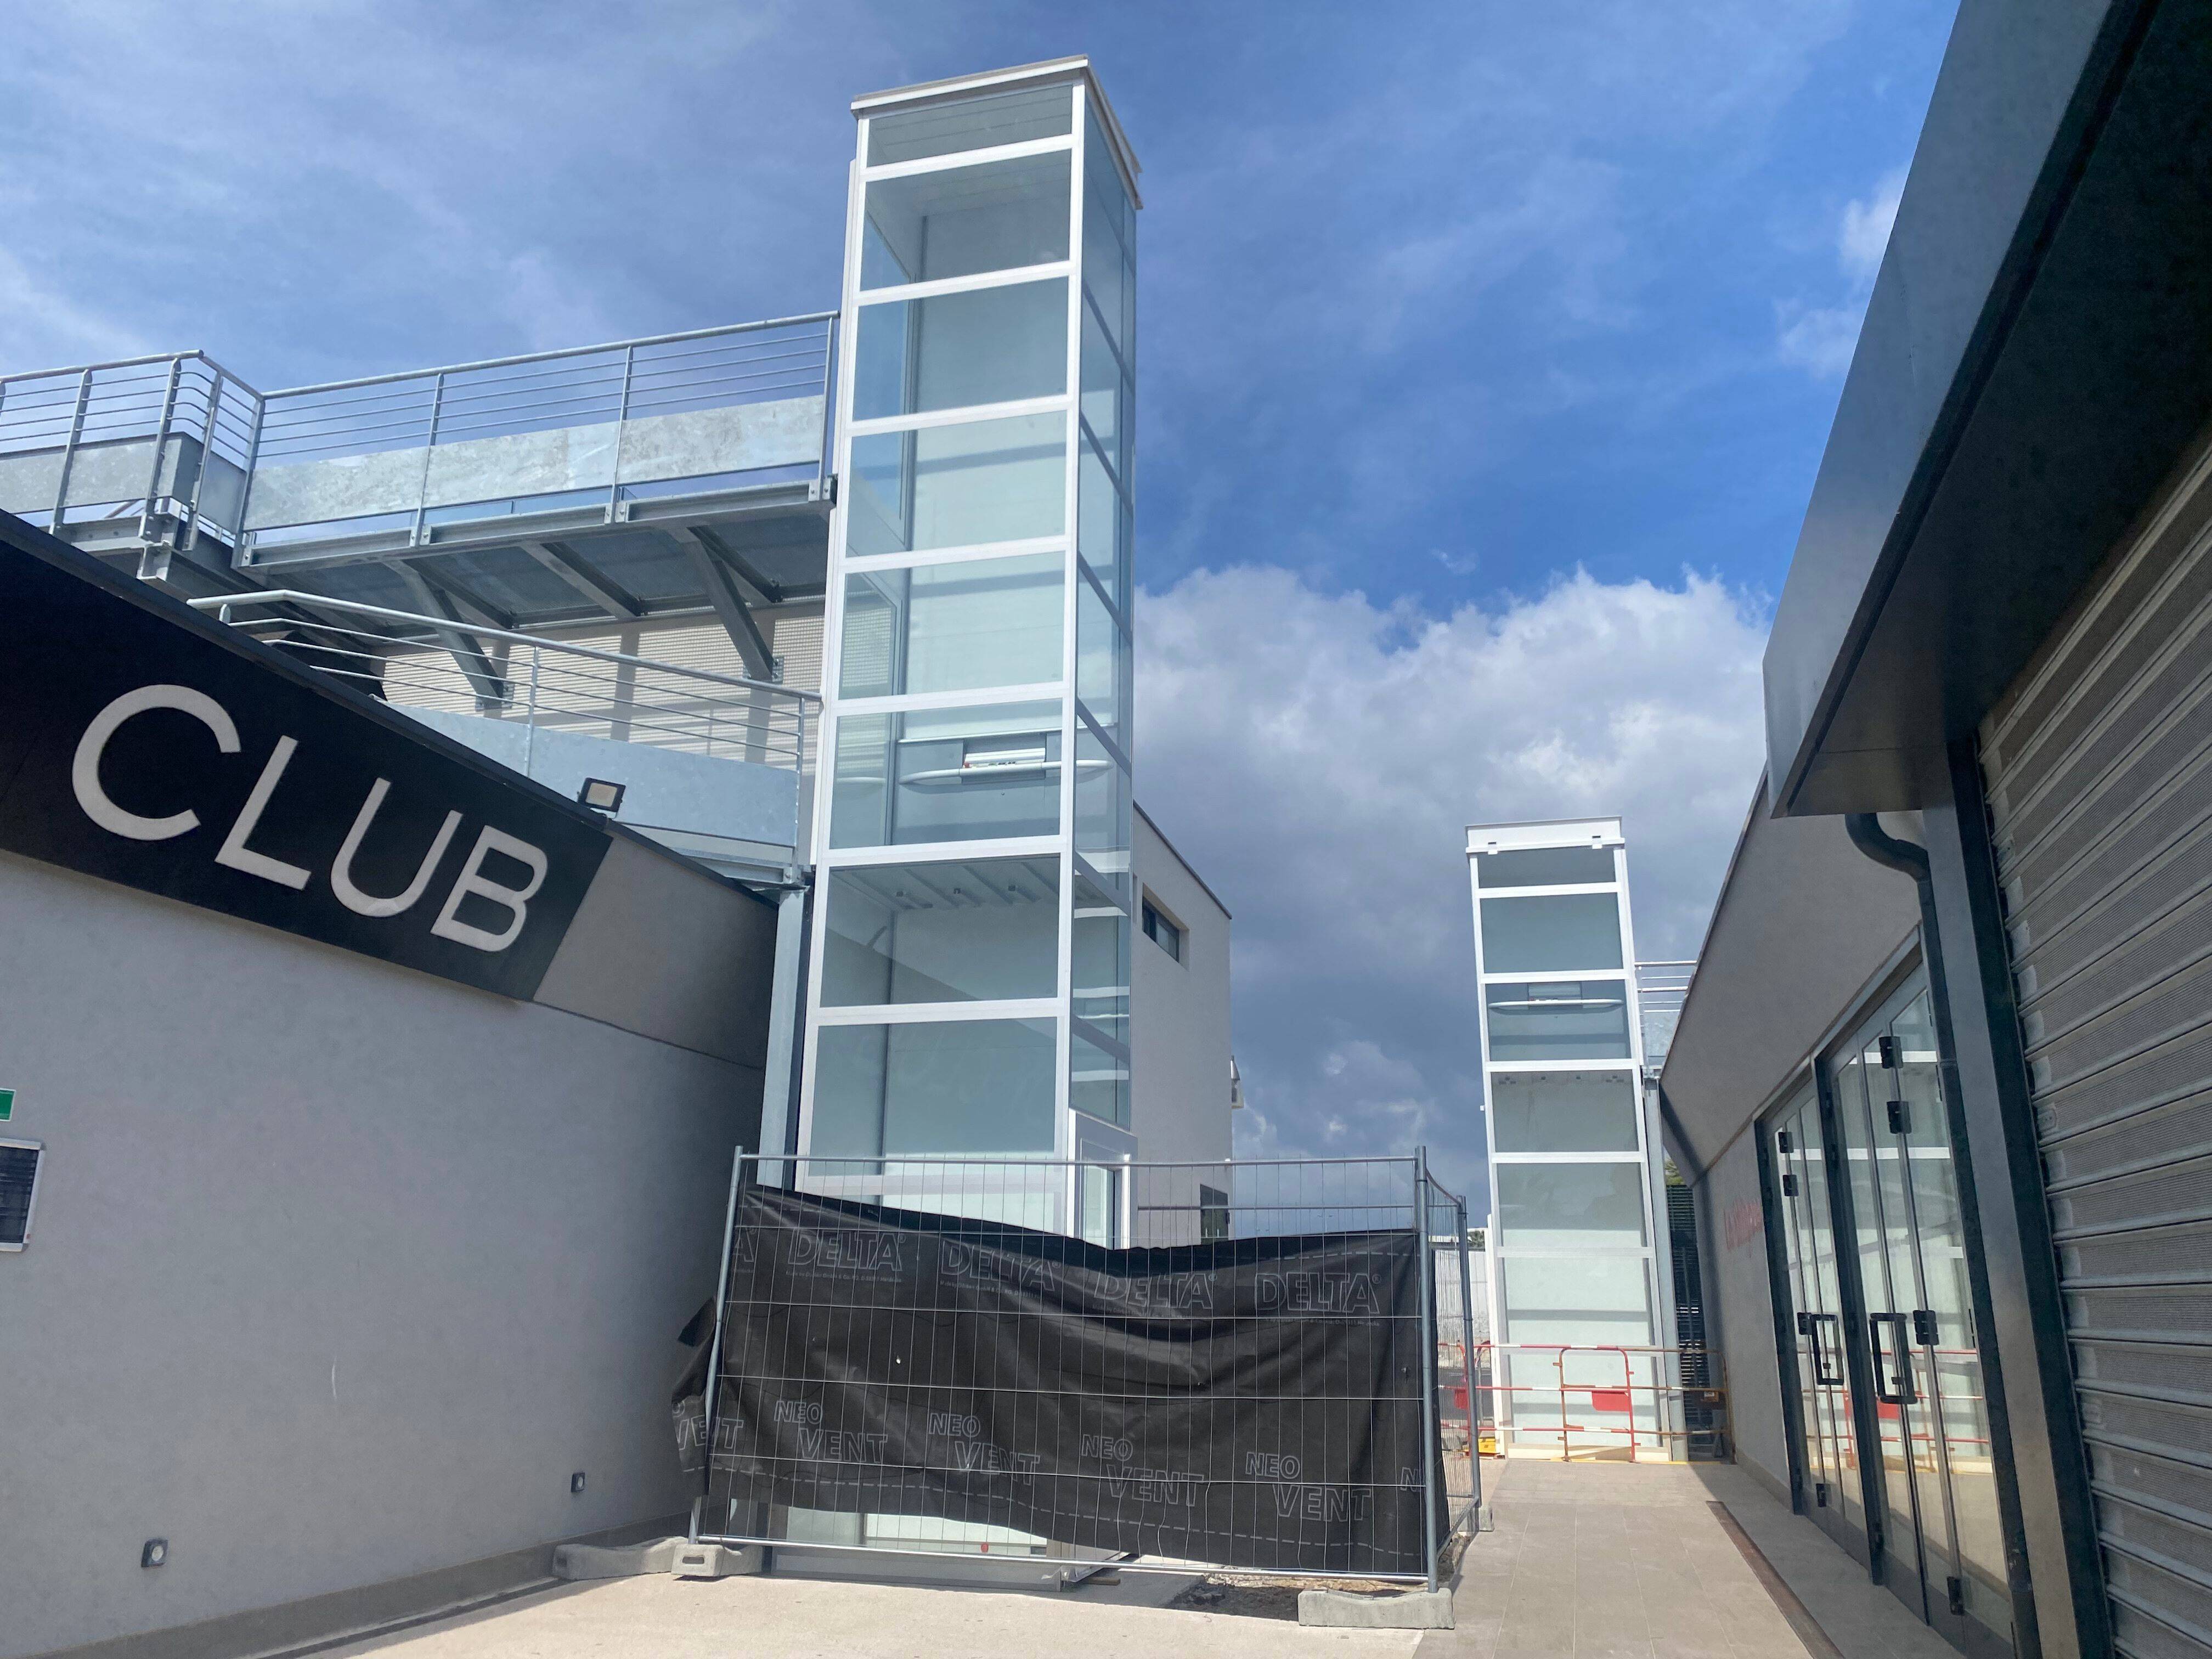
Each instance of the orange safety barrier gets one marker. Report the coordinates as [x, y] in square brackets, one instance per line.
[1602, 1397]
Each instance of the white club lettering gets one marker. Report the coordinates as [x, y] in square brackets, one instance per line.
[235, 853]
[364, 904]
[473, 880]
[84, 770]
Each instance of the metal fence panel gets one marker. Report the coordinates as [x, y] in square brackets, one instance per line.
[1193, 1404]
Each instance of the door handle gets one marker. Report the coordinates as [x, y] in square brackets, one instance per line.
[1824, 1358]
[1892, 1386]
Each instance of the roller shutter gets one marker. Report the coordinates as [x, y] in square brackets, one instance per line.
[2097, 763]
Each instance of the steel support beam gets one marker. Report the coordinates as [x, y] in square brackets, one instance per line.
[727, 595]
[585, 579]
[482, 671]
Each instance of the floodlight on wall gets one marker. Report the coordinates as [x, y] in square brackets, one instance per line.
[155, 1553]
[601, 794]
[576, 1484]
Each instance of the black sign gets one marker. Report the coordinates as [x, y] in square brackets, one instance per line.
[145, 744]
[1254, 1403]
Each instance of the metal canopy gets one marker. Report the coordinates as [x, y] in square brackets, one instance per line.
[2036, 358]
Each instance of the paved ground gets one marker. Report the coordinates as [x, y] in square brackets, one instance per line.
[1588, 1561]
[779, 1618]
[1628, 1561]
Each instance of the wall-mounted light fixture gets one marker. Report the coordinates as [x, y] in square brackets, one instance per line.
[155, 1554]
[601, 794]
[576, 1484]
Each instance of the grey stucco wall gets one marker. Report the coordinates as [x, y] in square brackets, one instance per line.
[339, 1271]
[1178, 1013]
[1739, 1300]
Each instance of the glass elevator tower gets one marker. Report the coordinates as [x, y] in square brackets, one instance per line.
[969, 983]
[1580, 1283]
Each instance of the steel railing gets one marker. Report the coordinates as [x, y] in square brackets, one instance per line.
[79, 419]
[54, 422]
[1660, 989]
[615, 384]
[431, 666]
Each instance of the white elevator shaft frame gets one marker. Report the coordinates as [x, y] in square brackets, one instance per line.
[1599, 844]
[1093, 870]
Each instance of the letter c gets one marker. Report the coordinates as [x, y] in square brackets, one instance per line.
[84, 771]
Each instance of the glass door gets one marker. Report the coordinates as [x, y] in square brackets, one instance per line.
[1817, 1324]
[1943, 1552]
[1928, 1357]
[1883, 1239]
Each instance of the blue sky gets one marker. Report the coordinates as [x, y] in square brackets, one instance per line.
[1441, 305]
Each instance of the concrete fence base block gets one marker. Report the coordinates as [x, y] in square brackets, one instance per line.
[576, 1561]
[1344, 1610]
[717, 1560]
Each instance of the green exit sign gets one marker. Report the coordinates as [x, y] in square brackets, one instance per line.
[7, 1104]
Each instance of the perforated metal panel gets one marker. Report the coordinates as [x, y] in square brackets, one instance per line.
[2099, 769]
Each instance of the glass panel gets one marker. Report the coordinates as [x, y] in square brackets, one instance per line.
[1571, 1019]
[1101, 1205]
[1544, 935]
[978, 1085]
[1544, 866]
[1105, 395]
[942, 932]
[1109, 243]
[1564, 1112]
[1103, 180]
[946, 774]
[1571, 1205]
[1097, 1080]
[1102, 662]
[1952, 1381]
[1102, 806]
[1912, 1361]
[998, 216]
[953, 627]
[1101, 965]
[989, 345]
[1005, 118]
[1593, 1300]
[1212, 1214]
[959, 486]
[1832, 1456]
[1102, 524]
[1884, 1303]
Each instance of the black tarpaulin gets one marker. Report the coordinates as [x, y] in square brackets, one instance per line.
[1254, 1403]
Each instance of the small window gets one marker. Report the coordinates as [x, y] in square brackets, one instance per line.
[1212, 1214]
[1163, 932]
[19, 1184]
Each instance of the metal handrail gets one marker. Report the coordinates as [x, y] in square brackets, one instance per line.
[548, 357]
[222, 603]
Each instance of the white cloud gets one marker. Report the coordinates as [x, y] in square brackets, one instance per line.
[1318, 757]
[1821, 339]
[1863, 236]
[42, 327]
